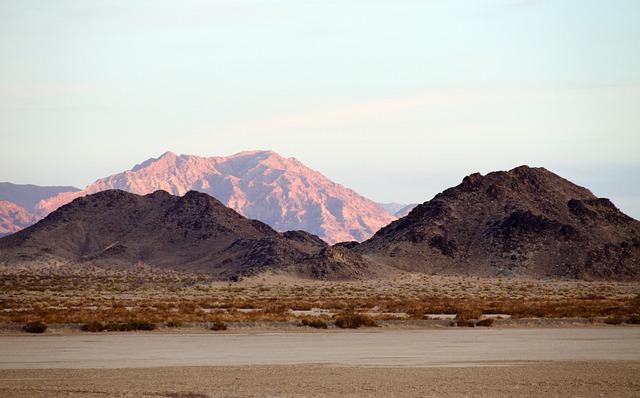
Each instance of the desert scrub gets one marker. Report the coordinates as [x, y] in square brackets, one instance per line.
[129, 326]
[467, 317]
[614, 320]
[218, 325]
[488, 322]
[314, 323]
[634, 319]
[174, 324]
[93, 326]
[35, 327]
[351, 320]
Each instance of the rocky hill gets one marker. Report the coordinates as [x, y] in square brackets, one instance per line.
[526, 221]
[194, 232]
[262, 185]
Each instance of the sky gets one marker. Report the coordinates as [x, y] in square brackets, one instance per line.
[396, 99]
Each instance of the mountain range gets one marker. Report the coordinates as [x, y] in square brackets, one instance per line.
[18, 204]
[522, 222]
[281, 192]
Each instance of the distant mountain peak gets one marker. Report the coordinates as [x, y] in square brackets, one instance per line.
[259, 184]
[167, 157]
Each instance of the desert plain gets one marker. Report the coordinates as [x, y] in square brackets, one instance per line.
[281, 336]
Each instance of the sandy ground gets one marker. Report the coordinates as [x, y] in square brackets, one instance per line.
[581, 362]
[550, 379]
[371, 347]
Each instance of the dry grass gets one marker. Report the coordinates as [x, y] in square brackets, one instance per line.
[350, 320]
[129, 326]
[117, 297]
[314, 323]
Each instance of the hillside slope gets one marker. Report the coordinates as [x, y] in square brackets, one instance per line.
[194, 232]
[526, 221]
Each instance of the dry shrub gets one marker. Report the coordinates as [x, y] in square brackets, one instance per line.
[314, 323]
[488, 322]
[35, 327]
[416, 313]
[634, 319]
[174, 324]
[275, 308]
[351, 320]
[184, 395]
[93, 326]
[466, 317]
[613, 320]
[129, 326]
[301, 306]
[218, 325]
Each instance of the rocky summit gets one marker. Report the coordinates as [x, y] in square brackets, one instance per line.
[262, 185]
[195, 232]
[526, 221]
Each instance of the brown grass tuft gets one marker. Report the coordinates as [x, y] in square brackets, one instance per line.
[351, 320]
[314, 323]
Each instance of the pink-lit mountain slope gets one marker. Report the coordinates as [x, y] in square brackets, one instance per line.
[262, 185]
[13, 218]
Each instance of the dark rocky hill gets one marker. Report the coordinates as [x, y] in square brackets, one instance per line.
[526, 221]
[194, 232]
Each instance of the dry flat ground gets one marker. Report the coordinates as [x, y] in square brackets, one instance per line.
[555, 379]
[398, 359]
[585, 362]
[367, 347]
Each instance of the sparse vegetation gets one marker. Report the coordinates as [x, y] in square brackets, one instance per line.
[35, 327]
[93, 326]
[487, 322]
[218, 325]
[110, 300]
[184, 395]
[614, 320]
[634, 319]
[133, 325]
[314, 323]
[351, 320]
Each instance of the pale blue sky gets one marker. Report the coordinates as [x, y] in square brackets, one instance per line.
[396, 99]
